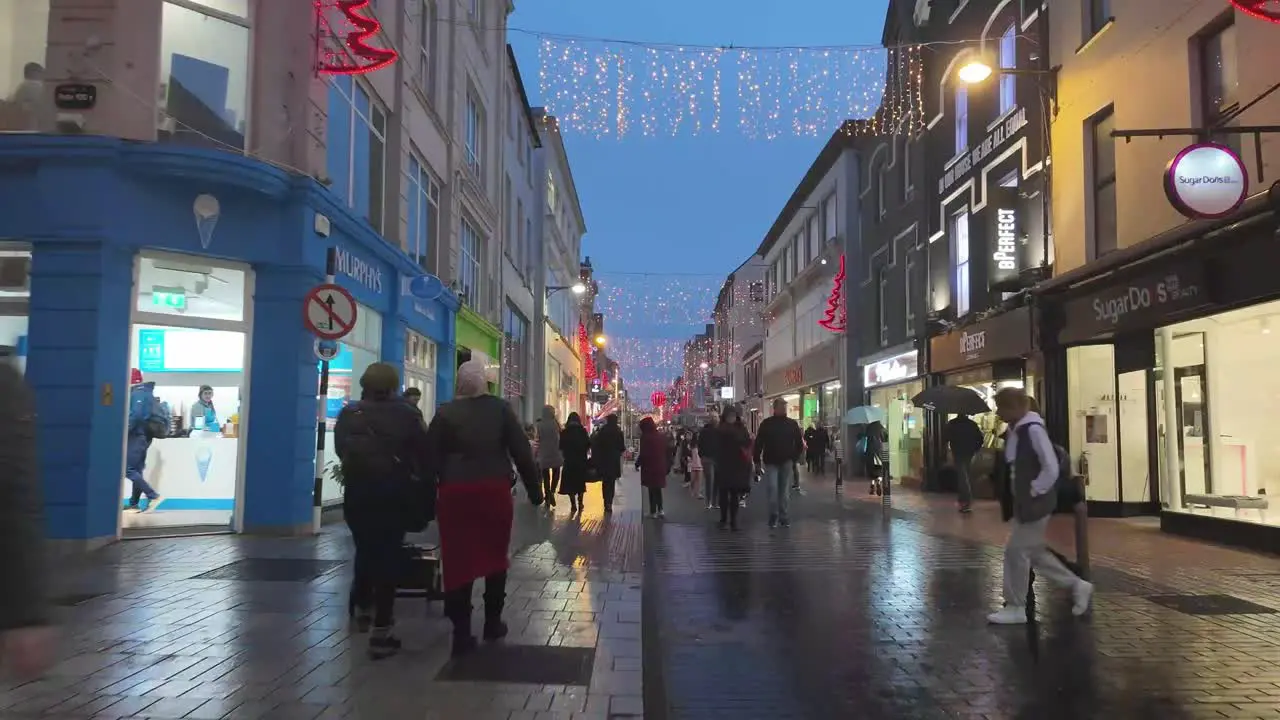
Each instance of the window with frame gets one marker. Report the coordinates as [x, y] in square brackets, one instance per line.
[829, 210]
[475, 13]
[1103, 150]
[356, 149]
[815, 237]
[515, 330]
[528, 247]
[799, 253]
[551, 191]
[962, 118]
[1099, 15]
[960, 264]
[1008, 61]
[755, 291]
[508, 211]
[475, 135]
[795, 255]
[204, 72]
[470, 256]
[882, 303]
[423, 198]
[427, 35]
[521, 239]
[1220, 80]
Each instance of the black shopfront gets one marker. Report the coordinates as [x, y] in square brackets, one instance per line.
[1163, 378]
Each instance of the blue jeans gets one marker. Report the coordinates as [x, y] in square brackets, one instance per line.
[777, 480]
[135, 461]
[709, 480]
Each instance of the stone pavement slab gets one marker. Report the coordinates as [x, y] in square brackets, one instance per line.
[873, 609]
[158, 631]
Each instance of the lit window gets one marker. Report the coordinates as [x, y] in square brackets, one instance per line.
[356, 149]
[204, 74]
[1008, 61]
[423, 198]
[960, 250]
[962, 118]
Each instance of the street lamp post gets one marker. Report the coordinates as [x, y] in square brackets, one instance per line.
[576, 289]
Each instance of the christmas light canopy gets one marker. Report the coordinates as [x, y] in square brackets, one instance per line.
[1268, 10]
[836, 317]
[350, 30]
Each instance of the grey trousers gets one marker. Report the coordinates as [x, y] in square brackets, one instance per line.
[1026, 549]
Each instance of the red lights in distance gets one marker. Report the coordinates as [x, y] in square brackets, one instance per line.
[363, 26]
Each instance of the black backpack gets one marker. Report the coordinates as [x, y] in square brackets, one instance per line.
[369, 454]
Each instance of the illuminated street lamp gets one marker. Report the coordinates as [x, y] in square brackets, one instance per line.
[600, 340]
[975, 71]
[704, 366]
[576, 289]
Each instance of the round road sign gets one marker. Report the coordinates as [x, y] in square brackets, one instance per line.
[326, 349]
[329, 312]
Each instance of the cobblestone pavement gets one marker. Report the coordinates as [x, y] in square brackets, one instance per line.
[267, 637]
[873, 609]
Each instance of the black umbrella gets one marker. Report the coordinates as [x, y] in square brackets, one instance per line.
[951, 400]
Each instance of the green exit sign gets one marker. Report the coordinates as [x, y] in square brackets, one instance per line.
[169, 299]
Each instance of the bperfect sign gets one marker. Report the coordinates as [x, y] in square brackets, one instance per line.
[895, 369]
[1006, 336]
[1005, 238]
[364, 273]
[1206, 180]
[993, 142]
[1144, 303]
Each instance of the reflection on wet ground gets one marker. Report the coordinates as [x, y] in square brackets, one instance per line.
[861, 611]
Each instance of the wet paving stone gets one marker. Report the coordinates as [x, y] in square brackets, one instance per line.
[526, 664]
[855, 612]
[270, 570]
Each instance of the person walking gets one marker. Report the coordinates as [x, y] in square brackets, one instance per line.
[778, 447]
[575, 446]
[707, 439]
[26, 638]
[550, 459]
[474, 439]
[733, 466]
[820, 445]
[875, 456]
[145, 423]
[964, 437]
[653, 462]
[695, 467]
[382, 444]
[607, 448]
[1035, 471]
[810, 464]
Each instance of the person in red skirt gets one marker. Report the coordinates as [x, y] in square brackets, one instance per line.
[474, 440]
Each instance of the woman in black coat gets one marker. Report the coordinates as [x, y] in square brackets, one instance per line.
[575, 445]
[733, 465]
[607, 448]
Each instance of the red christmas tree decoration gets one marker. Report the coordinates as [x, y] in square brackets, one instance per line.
[837, 314]
[584, 347]
[365, 58]
[1268, 10]
[658, 398]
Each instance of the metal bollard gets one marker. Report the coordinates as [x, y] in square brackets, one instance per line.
[1082, 531]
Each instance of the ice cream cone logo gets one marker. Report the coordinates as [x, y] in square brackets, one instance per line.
[204, 456]
[206, 209]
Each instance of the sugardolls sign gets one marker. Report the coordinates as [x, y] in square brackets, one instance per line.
[1206, 180]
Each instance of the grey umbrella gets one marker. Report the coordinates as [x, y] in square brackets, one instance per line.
[951, 400]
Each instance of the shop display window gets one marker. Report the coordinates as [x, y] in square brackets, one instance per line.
[1091, 382]
[190, 287]
[420, 371]
[1216, 392]
[204, 74]
[25, 102]
[361, 348]
[905, 426]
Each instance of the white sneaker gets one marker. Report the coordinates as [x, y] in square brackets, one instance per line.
[1082, 598]
[154, 504]
[661, 514]
[1010, 615]
[133, 509]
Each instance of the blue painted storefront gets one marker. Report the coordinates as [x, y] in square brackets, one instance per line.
[88, 206]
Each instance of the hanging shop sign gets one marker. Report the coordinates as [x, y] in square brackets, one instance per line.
[1002, 337]
[1006, 239]
[816, 366]
[892, 370]
[1143, 303]
[75, 96]
[1206, 180]
[836, 317]
[992, 143]
[343, 31]
[1268, 10]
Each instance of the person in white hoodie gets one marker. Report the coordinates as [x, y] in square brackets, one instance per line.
[1035, 468]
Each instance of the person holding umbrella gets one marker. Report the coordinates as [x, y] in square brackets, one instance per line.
[872, 445]
[964, 437]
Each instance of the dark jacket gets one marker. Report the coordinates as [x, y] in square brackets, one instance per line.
[821, 441]
[575, 445]
[733, 456]
[963, 436]
[778, 441]
[23, 595]
[607, 448]
[707, 442]
[404, 436]
[653, 460]
[477, 439]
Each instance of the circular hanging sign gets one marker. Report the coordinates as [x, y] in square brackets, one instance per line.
[1268, 10]
[1206, 180]
[326, 349]
[658, 399]
[426, 287]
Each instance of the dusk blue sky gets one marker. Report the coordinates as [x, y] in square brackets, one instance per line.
[696, 205]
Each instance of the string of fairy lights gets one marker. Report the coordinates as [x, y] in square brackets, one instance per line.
[611, 88]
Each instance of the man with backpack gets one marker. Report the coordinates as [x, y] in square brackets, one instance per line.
[1037, 470]
[147, 421]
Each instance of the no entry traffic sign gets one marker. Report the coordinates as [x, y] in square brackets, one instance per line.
[329, 311]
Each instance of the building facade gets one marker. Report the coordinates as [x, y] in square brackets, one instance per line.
[739, 324]
[752, 403]
[806, 285]
[558, 323]
[199, 192]
[1157, 326]
[522, 238]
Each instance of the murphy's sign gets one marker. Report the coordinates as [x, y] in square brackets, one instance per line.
[364, 273]
[1003, 337]
[1143, 303]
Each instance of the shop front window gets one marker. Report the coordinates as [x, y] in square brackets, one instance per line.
[1091, 382]
[904, 423]
[420, 371]
[1215, 394]
[204, 72]
[15, 302]
[358, 350]
[24, 32]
